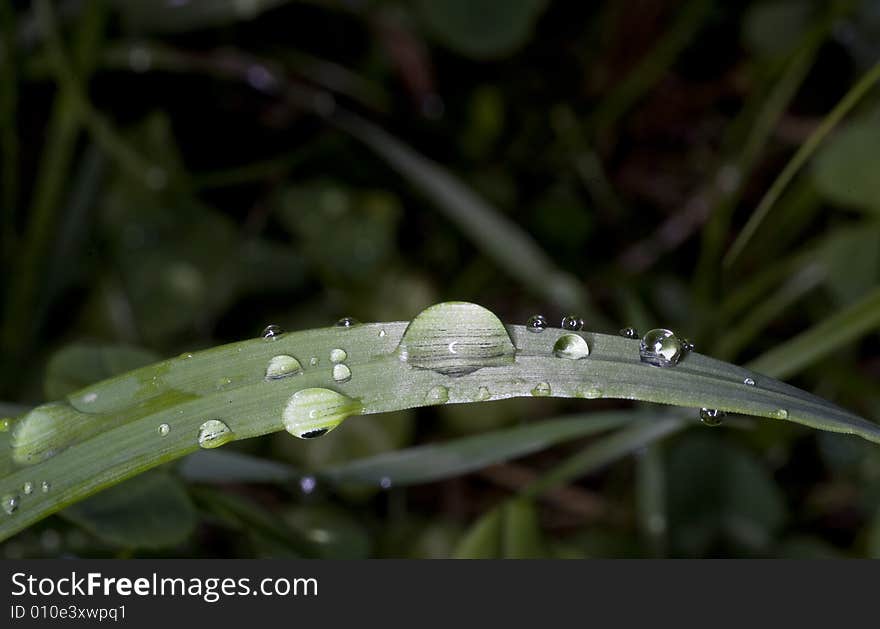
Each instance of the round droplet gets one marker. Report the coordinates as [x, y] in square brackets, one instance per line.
[282, 366]
[183, 356]
[483, 394]
[686, 345]
[347, 322]
[536, 323]
[712, 416]
[749, 382]
[437, 395]
[591, 393]
[163, 430]
[314, 412]
[307, 484]
[45, 486]
[571, 346]
[661, 348]
[542, 389]
[572, 322]
[382, 333]
[28, 488]
[10, 504]
[629, 333]
[49, 429]
[313, 361]
[455, 339]
[385, 482]
[338, 355]
[272, 332]
[780, 413]
[214, 433]
[5, 424]
[341, 373]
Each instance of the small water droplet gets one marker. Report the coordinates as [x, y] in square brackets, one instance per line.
[571, 346]
[483, 394]
[629, 333]
[5, 424]
[572, 322]
[542, 389]
[591, 393]
[341, 373]
[10, 504]
[214, 433]
[313, 412]
[437, 395]
[712, 416]
[749, 382]
[45, 486]
[313, 361]
[307, 484]
[28, 488]
[780, 413]
[272, 332]
[347, 322]
[338, 355]
[381, 334]
[282, 366]
[223, 382]
[185, 355]
[163, 430]
[536, 323]
[661, 348]
[686, 345]
[385, 482]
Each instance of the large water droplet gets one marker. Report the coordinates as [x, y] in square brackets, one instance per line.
[341, 373]
[347, 322]
[313, 412]
[572, 322]
[214, 433]
[437, 395]
[48, 429]
[163, 430]
[10, 504]
[629, 333]
[338, 355]
[749, 382]
[542, 389]
[272, 332]
[282, 366]
[660, 347]
[571, 346]
[455, 339]
[536, 323]
[712, 416]
[28, 488]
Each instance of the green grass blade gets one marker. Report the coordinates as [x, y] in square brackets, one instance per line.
[451, 353]
[814, 344]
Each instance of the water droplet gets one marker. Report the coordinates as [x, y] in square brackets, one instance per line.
[338, 355]
[341, 373]
[437, 395]
[28, 488]
[49, 429]
[5, 424]
[347, 322]
[223, 382]
[686, 345]
[749, 382]
[780, 413]
[712, 416]
[381, 333]
[183, 356]
[629, 333]
[536, 323]
[282, 366]
[307, 484]
[542, 389]
[214, 433]
[455, 339]
[483, 394]
[313, 412]
[10, 504]
[572, 322]
[385, 482]
[591, 393]
[88, 398]
[163, 430]
[313, 361]
[272, 332]
[661, 348]
[45, 486]
[571, 346]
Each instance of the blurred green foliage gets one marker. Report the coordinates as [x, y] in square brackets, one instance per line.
[178, 174]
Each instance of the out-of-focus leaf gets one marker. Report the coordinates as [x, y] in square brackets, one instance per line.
[77, 366]
[509, 531]
[229, 466]
[773, 28]
[848, 281]
[148, 511]
[720, 494]
[806, 547]
[481, 28]
[845, 170]
[180, 16]
[333, 533]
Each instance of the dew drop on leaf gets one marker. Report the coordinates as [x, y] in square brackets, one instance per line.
[536, 323]
[660, 347]
[341, 373]
[572, 323]
[542, 389]
[10, 504]
[282, 366]
[316, 411]
[629, 333]
[347, 322]
[272, 332]
[214, 433]
[437, 395]
[749, 382]
[711, 416]
[338, 355]
[571, 346]
[163, 430]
